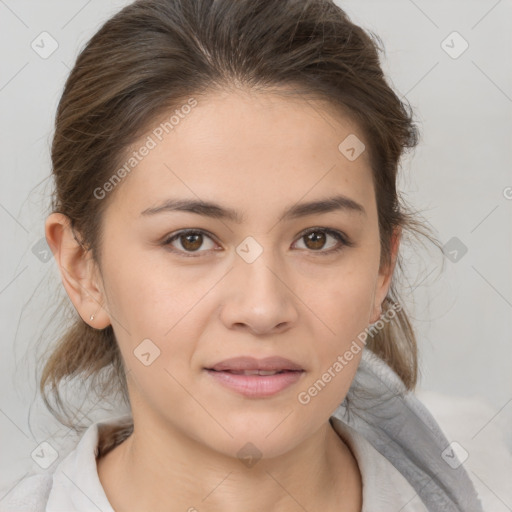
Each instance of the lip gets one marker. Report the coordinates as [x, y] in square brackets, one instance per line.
[256, 386]
[274, 363]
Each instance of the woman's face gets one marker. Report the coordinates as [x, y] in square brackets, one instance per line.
[273, 282]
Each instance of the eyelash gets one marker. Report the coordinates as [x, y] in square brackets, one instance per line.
[340, 237]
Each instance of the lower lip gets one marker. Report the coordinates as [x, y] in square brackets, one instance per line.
[256, 386]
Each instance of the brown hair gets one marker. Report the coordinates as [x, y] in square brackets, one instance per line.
[151, 57]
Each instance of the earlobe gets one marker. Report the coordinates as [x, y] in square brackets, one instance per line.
[78, 271]
[385, 276]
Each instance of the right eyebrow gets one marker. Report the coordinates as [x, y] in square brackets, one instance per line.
[214, 210]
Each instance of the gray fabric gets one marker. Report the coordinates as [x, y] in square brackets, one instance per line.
[379, 407]
[397, 424]
[29, 495]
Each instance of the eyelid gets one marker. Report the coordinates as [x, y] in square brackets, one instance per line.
[336, 233]
[340, 236]
[166, 242]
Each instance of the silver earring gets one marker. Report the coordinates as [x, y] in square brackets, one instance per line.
[92, 318]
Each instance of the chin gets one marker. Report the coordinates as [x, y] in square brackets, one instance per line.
[254, 438]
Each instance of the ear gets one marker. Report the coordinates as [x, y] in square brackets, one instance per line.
[385, 276]
[79, 272]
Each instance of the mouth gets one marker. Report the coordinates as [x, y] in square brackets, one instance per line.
[254, 372]
[252, 364]
[256, 378]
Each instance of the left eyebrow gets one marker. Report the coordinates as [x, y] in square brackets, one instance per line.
[216, 211]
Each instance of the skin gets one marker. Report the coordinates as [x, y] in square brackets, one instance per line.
[257, 153]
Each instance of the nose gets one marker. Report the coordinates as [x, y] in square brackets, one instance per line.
[259, 297]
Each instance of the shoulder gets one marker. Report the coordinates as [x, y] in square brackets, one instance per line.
[480, 434]
[28, 494]
[384, 487]
[73, 483]
[391, 419]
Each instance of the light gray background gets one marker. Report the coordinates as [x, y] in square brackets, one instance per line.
[459, 177]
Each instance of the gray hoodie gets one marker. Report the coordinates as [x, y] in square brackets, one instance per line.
[406, 462]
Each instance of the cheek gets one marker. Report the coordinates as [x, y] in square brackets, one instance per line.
[351, 305]
[145, 297]
[343, 306]
[343, 301]
[344, 310]
[151, 300]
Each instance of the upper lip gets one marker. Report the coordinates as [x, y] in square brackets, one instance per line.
[251, 363]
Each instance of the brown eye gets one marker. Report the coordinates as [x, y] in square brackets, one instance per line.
[315, 240]
[190, 241]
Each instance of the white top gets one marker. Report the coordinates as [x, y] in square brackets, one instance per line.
[76, 486]
[406, 462]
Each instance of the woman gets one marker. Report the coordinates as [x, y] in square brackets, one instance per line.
[227, 227]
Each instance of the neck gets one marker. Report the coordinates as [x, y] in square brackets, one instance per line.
[179, 473]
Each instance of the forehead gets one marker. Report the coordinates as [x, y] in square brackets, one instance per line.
[251, 145]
